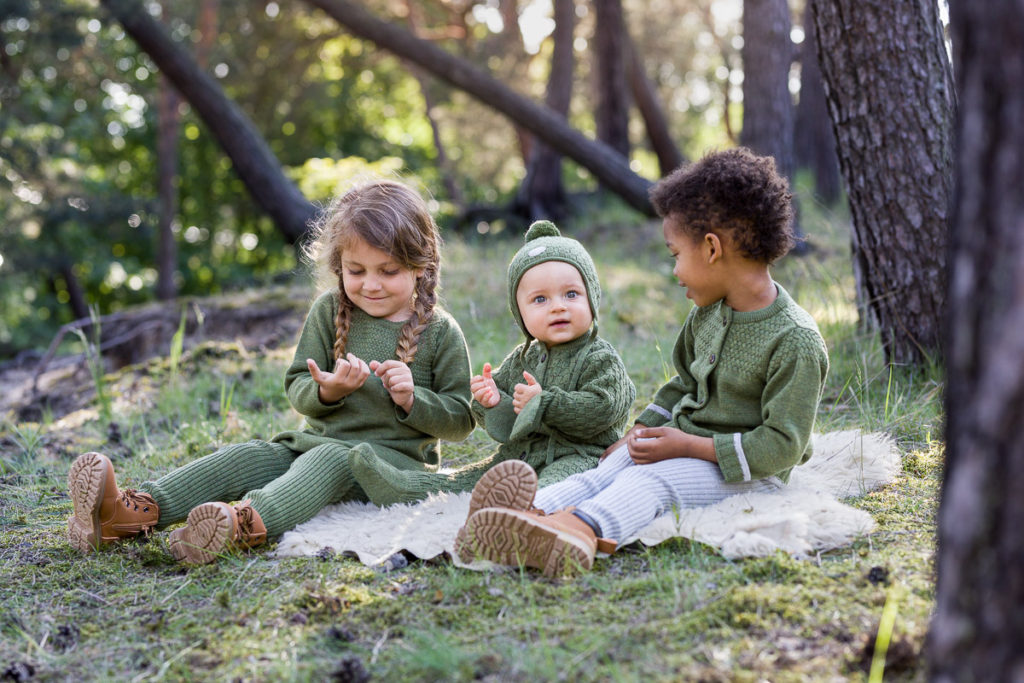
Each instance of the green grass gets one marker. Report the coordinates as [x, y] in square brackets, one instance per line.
[678, 611]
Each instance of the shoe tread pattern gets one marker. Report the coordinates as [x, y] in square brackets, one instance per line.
[207, 533]
[510, 538]
[87, 480]
[510, 484]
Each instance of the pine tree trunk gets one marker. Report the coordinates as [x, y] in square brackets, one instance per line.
[979, 618]
[890, 97]
[542, 192]
[167, 189]
[649, 106]
[767, 104]
[814, 146]
[250, 155]
[612, 102]
[609, 167]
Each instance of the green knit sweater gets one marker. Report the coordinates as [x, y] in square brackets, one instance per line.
[751, 381]
[582, 409]
[440, 372]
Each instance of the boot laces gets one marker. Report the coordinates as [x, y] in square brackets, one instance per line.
[135, 499]
[245, 520]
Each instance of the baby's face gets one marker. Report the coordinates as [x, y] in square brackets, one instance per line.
[553, 302]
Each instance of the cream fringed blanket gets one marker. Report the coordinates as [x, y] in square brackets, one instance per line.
[804, 517]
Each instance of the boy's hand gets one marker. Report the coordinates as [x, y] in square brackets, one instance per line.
[485, 391]
[397, 379]
[524, 392]
[349, 374]
[654, 444]
[618, 444]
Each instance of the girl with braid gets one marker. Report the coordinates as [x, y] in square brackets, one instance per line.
[379, 369]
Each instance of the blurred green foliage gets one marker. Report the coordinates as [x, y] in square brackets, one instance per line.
[78, 129]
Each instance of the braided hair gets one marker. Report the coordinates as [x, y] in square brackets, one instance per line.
[392, 217]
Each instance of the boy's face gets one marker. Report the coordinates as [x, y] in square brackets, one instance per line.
[553, 302]
[693, 264]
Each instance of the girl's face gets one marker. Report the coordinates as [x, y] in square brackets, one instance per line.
[553, 302]
[376, 283]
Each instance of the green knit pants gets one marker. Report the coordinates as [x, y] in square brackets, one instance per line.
[385, 484]
[285, 487]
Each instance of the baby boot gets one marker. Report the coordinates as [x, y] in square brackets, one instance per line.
[558, 544]
[509, 484]
[213, 528]
[103, 513]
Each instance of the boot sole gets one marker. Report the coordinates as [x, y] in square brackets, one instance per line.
[207, 534]
[87, 480]
[511, 537]
[510, 484]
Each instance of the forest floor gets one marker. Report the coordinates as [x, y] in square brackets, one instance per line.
[36, 384]
[677, 611]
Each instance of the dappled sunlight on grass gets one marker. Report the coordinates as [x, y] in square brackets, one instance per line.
[677, 611]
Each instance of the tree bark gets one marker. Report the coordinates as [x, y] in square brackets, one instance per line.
[814, 146]
[444, 163]
[976, 630]
[890, 97]
[767, 104]
[253, 161]
[611, 113]
[609, 167]
[542, 193]
[167, 189]
[649, 106]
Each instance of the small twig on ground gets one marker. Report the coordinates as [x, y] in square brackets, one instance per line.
[377, 647]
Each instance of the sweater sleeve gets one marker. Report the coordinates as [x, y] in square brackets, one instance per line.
[316, 341]
[659, 411]
[796, 376]
[499, 420]
[442, 409]
[601, 401]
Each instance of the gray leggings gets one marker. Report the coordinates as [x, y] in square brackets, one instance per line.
[623, 497]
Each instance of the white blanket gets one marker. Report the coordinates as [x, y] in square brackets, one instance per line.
[805, 517]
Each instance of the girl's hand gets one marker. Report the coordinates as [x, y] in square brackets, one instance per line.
[485, 391]
[397, 379]
[524, 392]
[349, 374]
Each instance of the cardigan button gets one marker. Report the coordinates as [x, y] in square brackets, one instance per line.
[711, 359]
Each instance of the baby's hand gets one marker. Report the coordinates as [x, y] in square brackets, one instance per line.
[485, 391]
[524, 392]
[397, 379]
[349, 374]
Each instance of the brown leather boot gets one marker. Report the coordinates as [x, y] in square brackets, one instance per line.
[510, 484]
[558, 544]
[103, 513]
[213, 528]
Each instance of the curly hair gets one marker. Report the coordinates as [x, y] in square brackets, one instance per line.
[391, 217]
[735, 192]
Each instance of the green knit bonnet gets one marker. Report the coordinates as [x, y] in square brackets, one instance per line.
[545, 243]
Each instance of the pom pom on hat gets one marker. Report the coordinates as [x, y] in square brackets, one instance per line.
[542, 229]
